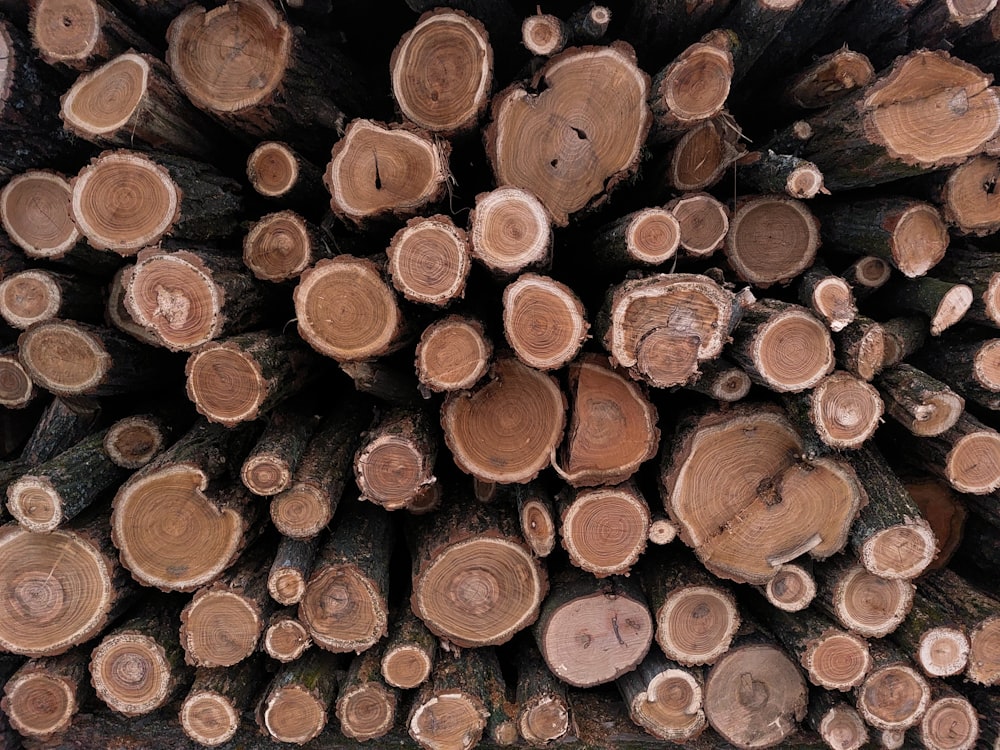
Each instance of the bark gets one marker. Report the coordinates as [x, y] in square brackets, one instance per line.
[863, 348]
[860, 601]
[544, 321]
[829, 79]
[117, 315]
[901, 337]
[665, 698]
[704, 223]
[537, 514]
[604, 529]
[966, 456]
[544, 710]
[295, 705]
[972, 368]
[37, 295]
[409, 653]
[429, 261]
[42, 696]
[979, 270]
[647, 237]
[453, 354]
[210, 713]
[944, 511]
[394, 465]
[291, 568]
[453, 709]
[661, 29]
[510, 231]
[28, 100]
[285, 638]
[923, 405]
[282, 245]
[366, 706]
[828, 296]
[63, 423]
[942, 303]
[837, 721]
[721, 380]
[768, 172]
[383, 381]
[274, 459]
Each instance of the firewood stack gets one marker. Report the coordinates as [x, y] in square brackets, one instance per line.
[479, 372]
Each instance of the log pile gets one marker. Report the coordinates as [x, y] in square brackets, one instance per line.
[464, 373]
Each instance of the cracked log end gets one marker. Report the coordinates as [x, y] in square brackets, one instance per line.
[343, 610]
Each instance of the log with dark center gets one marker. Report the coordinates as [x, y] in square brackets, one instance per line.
[792, 588]
[132, 442]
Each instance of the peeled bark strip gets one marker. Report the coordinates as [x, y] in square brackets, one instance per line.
[933, 637]
[280, 246]
[703, 154]
[132, 442]
[210, 713]
[604, 529]
[131, 102]
[972, 368]
[453, 354]
[49, 495]
[409, 653]
[543, 321]
[275, 170]
[308, 505]
[792, 588]
[411, 173]
[394, 466]
[182, 556]
[894, 695]
[923, 405]
[590, 631]
[71, 359]
[544, 713]
[647, 237]
[755, 695]
[842, 410]
[829, 78]
[285, 638]
[696, 615]
[864, 347]
[944, 510]
[344, 605]
[452, 710]
[532, 145]
[81, 34]
[768, 172]
[272, 462]
[36, 214]
[366, 706]
[828, 296]
[838, 723]
[36, 295]
[442, 72]
[429, 260]
[980, 271]
[41, 697]
[967, 456]
[63, 424]
[943, 303]
[704, 223]
[139, 665]
[951, 722]
[510, 231]
[125, 200]
[294, 708]
[860, 601]
[664, 698]
[692, 88]
[17, 389]
[222, 623]
[508, 428]
[347, 311]
[867, 274]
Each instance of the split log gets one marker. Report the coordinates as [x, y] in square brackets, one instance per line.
[721, 380]
[70, 359]
[593, 631]
[36, 295]
[838, 723]
[544, 321]
[344, 604]
[771, 240]
[531, 143]
[442, 72]
[295, 705]
[967, 456]
[274, 459]
[347, 311]
[453, 354]
[285, 638]
[704, 223]
[176, 531]
[44, 694]
[51, 494]
[507, 429]
[828, 296]
[950, 722]
[475, 580]
[863, 347]
[409, 653]
[210, 713]
[842, 411]
[139, 666]
[394, 465]
[792, 588]
[971, 367]
[692, 88]
[510, 231]
[664, 698]
[544, 712]
[771, 506]
[612, 426]
[829, 79]
[700, 157]
[81, 34]
[933, 638]
[63, 424]
[901, 337]
[894, 695]
[604, 529]
[277, 171]
[923, 405]
[280, 246]
[860, 601]
[867, 274]
[980, 271]
[647, 237]
[944, 511]
[131, 102]
[943, 304]
[696, 615]
[223, 622]
[17, 389]
[125, 200]
[366, 706]
[768, 172]
[452, 710]
[304, 509]
[429, 260]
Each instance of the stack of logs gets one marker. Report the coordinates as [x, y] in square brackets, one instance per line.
[552, 377]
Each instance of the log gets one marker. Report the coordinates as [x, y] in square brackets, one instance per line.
[966, 195]
[278, 172]
[42, 696]
[940, 23]
[977, 269]
[452, 710]
[864, 347]
[544, 321]
[943, 304]
[771, 240]
[662, 29]
[429, 260]
[507, 429]
[383, 381]
[894, 696]
[933, 638]
[29, 101]
[531, 144]
[36, 295]
[792, 588]
[944, 511]
[117, 315]
[139, 666]
[544, 711]
[210, 713]
[692, 88]
[828, 79]
[185, 482]
[604, 529]
[134, 441]
[17, 389]
[665, 698]
[838, 722]
[453, 354]
[442, 72]
[81, 34]
[344, 604]
[923, 405]
[860, 601]
[409, 653]
[285, 638]
[867, 274]
[704, 223]
[700, 157]
[647, 237]
[366, 706]
[986, 702]
[967, 456]
[544, 34]
[828, 296]
[971, 367]
[394, 465]
[272, 462]
[475, 580]
[722, 380]
[768, 172]
[295, 705]
[63, 423]
[901, 337]
[842, 412]
[510, 231]
[593, 631]
[537, 514]
[281, 245]
[951, 721]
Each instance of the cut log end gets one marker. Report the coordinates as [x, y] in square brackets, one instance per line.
[653, 236]
[366, 711]
[343, 610]
[279, 247]
[209, 718]
[830, 78]
[696, 85]
[131, 673]
[970, 202]
[805, 181]
[35, 503]
[301, 511]
[392, 471]
[219, 629]
[661, 531]
[29, 297]
[845, 410]
[952, 308]
[984, 652]
[16, 387]
[293, 714]
[543, 34]
[696, 624]
[429, 261]
[605, 530]
[406, 666]
[973, 463]
[791, 589]
[35, 211]
[538, 526]
[950, 723]
[225, 384]
[869, 605]
[63, 358]
[543, 720]
[900, 551]
[837, 660]
[286, 586]
[133, 442]
[671, 706]
[454, 721]
[544, 321]
[286, 639]
[38, 704]
[869, 272]
[510, 230]
[66, 31]
[986, 365]
[793, 351]
[943, 651]
[105, 101]
[894, 697]
[453, 354]
[833, 300]
[843, 729]
[771, 240]
[703, 154]
[272, 169]
[704, 224]
[919, 240]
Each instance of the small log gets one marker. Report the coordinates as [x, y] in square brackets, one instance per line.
[828, 296]
[704, 223]
[792, 588]
[588, 23]
[829, 79]
[944, 304]
[966, 195]
[923, 405]
[971, 367]
[366, 706]
[42, 696]
[692, 88]
[132, 442]
[980, 271]
[280, 246]
[722, 380]
[933, 637]
[453, 709]
[53, 493]
[453, 354]
[218, 521]
[285, 638]
[894, 696]
[272, 462]
[842, 411]
[394, 465]
[838, 723]
[867, 274]
[700, 157]
[411, 174]
[544, 321]
[593, 631]
[210, 713]
[768, 172]
[223, 622]
[81, 34]
[860, 601]
[544, 712]
[344, 605]
[544, 34]
[944, 511]
[967, 456]
[510, 231]
[178, 197]
[537, 514]
[63, 424]
[507, 429]
[308, 505]
[442, 72]
[278, 172]
[604, 529]
[529, 141]
[863, 347]
[139, 666]
[647, 237]
[409, 653]
[117, 315]
[664, 698]
[429, 260]
[696, 615]
[475, 580]
[347, 311]
[951, 722]
[295, 705]
[17, 389]
[36, 295]
[901, 337]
